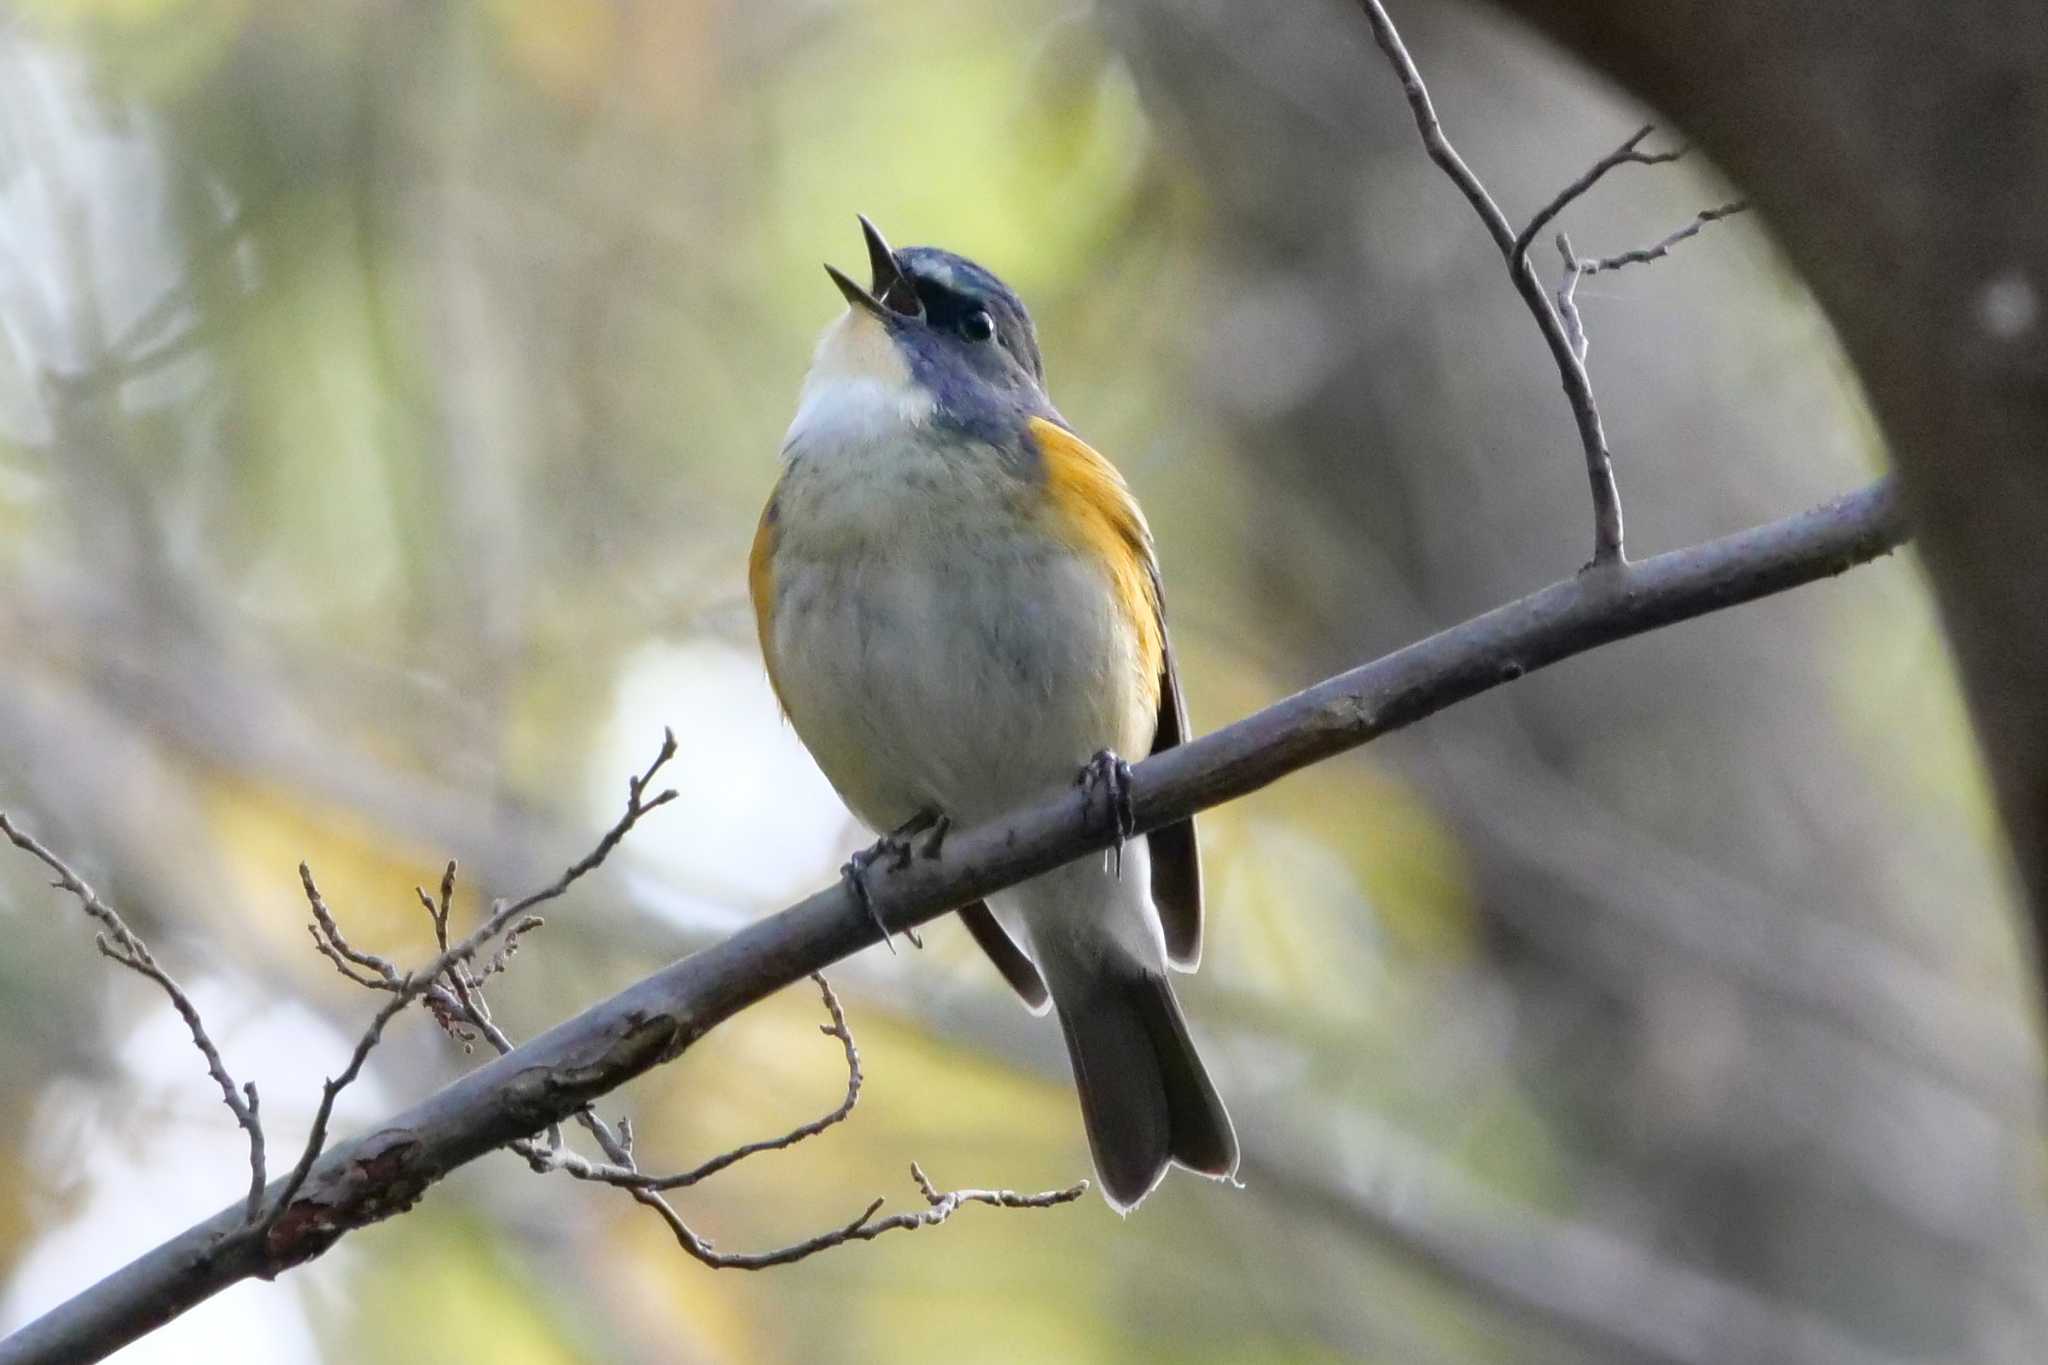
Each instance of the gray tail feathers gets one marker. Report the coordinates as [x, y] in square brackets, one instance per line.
[1145, 1096]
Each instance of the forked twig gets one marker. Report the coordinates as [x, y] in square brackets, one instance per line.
[1624, 155]
[1576, 269]
[1558, 318]
[444, 980]
[1607, 529]
[622, 1170]
[455, 995]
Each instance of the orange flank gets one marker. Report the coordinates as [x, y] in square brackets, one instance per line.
[1092, 510]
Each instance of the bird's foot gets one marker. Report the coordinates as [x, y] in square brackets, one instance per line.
[855, 873]
[1110, 776]
[896, 847]
[935, 837]
[924, 834]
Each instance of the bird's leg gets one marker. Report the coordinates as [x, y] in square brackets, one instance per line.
[1111, 776]
[935, 837]
[897, 846]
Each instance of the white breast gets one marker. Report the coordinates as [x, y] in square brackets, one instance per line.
[936, 649]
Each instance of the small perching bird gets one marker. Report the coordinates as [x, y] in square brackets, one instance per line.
[960, 610]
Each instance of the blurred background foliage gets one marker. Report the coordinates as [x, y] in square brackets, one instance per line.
[387, 395]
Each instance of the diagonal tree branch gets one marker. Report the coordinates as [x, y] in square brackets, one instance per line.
[556, 1075]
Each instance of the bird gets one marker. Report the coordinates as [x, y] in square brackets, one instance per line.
[959, 607]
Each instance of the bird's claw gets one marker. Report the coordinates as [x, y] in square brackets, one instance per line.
[898, 848]
[855, 872]
[1111, 776]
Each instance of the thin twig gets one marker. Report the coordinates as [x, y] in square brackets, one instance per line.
[1568, 298]
[457, 1001]
[836, 1029]
[426, 980]
[501, 960]
[1576, 269]
[1434, 140]
[636, 806]
[1571, 370]
[1624, 155]
[330, 1089]
[327, 936]
[622, 1170]
[356, 964]
[1662, 247]
[626, 1174]
[864, 1228]
[121, 944]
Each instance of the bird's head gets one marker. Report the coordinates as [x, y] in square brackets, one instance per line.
[940, 331]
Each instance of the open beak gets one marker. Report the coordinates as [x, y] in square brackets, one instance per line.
[891, 293]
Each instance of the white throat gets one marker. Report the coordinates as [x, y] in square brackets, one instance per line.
[859, 390]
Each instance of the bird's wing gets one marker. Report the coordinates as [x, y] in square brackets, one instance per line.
[1094, 508]
[1017, 969]
[1176, 860]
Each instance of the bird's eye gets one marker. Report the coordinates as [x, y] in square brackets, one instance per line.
[978, 326]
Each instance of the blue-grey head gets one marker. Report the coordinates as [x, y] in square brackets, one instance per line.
[963, 335]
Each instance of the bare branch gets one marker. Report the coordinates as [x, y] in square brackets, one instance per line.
[123, 945]
[622, 1170]
[1624, 155]
[836, 1029]
[1575, 269]
[502, 959]
[1571, 369]
[455, 1003]
[1568, 299]
[865, 1228]
[1662, 247]
[454, 998]
[1434, 141]
[637, 805]
[327, 937]
[358, 966]
[330, 1090]
[559, 1074]
[447, 987]
[625, 1173]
